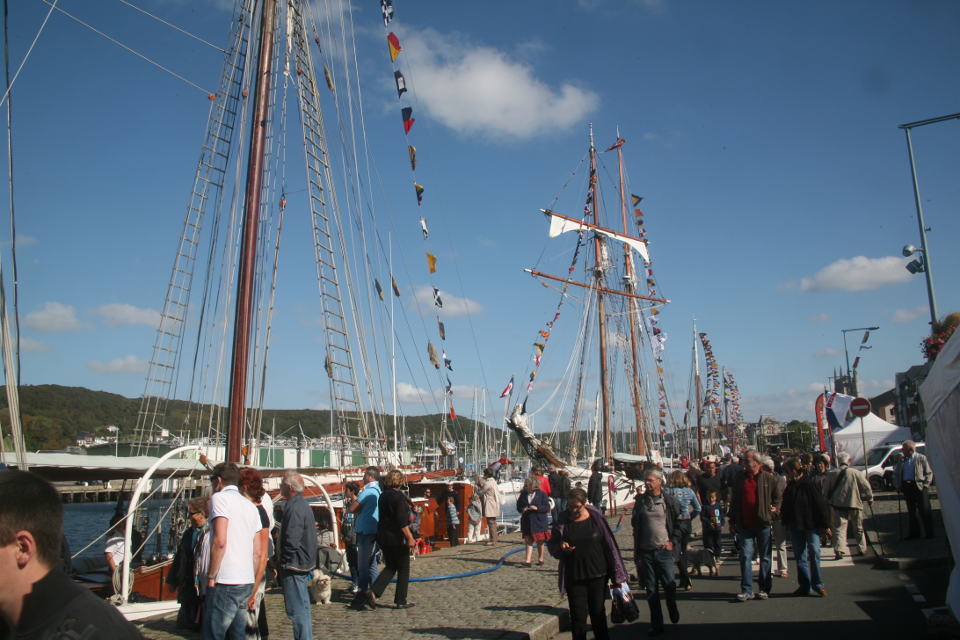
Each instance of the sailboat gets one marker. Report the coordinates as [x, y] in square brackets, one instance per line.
[713, 416]
[277, 69]
[619, 316]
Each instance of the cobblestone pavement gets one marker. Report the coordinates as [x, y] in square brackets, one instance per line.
[511, 603]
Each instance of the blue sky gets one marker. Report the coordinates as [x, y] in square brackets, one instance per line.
[762, 136]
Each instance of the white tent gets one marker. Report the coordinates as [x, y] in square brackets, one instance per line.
[876, 431]
[941, 402]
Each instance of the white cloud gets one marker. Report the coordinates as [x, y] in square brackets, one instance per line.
[909, 315]
[473, 88]
[407, 392]
[29, 344]
[858, 274]
[119, 315]
[126, 364]
[828, 352]
[54, 316]
[820, 317]
[452, 305]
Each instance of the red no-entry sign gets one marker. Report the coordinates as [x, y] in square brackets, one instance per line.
[860, 407]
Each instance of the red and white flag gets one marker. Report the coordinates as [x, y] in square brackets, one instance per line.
[507, 389]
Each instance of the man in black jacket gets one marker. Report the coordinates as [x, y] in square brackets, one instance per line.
[38, 600]
[298, 555]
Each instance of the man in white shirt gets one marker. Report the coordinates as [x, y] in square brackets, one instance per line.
[234, 522]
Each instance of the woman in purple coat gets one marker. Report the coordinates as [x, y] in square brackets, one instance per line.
[589, 557]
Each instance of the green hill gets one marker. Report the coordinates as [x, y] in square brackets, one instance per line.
[55, 416]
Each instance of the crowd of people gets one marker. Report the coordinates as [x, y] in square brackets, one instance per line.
[765, 501]
[238, 541]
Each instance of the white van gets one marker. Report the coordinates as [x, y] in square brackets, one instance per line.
[880, 463]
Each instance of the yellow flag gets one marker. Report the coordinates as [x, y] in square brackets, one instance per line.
[432, 262]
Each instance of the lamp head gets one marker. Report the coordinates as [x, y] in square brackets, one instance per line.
[909, 250]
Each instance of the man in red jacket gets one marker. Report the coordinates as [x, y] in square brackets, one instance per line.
[755, 497]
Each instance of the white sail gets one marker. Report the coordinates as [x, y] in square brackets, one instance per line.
[560, 225]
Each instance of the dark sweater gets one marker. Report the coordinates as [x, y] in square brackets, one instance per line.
[59, 608]
[804, 506]
[298, 536]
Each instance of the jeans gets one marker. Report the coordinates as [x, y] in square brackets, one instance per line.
[352, 564]
[586, 596]
[225, 614]
[681, 538]
[397, 561]
[296, 601]
[367, 569]
[747, 538]
[656, 568]
[806, 548]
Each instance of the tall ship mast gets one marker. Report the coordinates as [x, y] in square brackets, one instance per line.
[619, 319]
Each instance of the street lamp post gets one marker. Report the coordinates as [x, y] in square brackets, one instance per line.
[852, 377]
[926, 265]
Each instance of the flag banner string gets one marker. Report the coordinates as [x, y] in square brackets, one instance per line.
[408, 119]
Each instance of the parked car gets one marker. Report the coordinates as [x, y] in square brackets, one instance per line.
[880, 463]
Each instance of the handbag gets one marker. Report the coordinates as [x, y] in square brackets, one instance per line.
[623, 606]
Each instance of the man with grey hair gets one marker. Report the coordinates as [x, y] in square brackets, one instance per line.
[778, 529]
[914, 476]
[755, 500]
[654, 515]
[847, 490]
[298, 554]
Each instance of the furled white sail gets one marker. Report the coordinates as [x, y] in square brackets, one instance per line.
[560, 225]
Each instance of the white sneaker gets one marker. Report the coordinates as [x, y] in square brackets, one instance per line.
[743, 597]
[762, 595]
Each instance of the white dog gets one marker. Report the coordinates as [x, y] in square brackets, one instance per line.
[319, 587]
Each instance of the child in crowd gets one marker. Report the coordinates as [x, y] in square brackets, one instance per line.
[453, 520]
[712, 517]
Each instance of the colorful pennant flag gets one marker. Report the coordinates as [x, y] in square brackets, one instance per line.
[449, 388]
[616, 145]
[396, 288]
[635, 199]
[328, 78]
[431, 262]
[423, 227]
[376, 283]
[408, 119]
[442, 329]
[419, 189]
[386, 8]
[507, 389]
[453, 414]
[412, 152]
[394, 43]
[447, 362]
[401, 84]
[436, 298]
[432, 352]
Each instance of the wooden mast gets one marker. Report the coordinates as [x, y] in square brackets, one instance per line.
[696, 383]
[251, 212]
[631, 309]
[601, 309]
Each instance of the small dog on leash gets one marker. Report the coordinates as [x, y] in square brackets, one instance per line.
[699, 558]
[319, 587]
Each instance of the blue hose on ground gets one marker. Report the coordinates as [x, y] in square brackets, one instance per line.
[467, 574]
